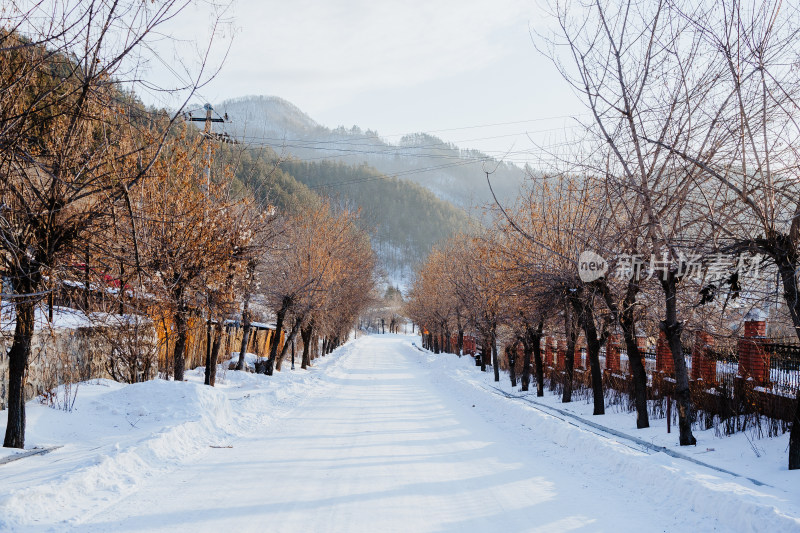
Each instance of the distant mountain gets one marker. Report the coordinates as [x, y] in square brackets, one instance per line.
[451, 173]
[254, 116]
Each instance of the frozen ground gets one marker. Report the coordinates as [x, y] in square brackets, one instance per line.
[378, 436]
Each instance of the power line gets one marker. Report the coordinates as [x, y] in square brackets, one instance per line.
[315, 144]
[366, 179]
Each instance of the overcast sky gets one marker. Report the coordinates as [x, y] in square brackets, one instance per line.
[392, 66]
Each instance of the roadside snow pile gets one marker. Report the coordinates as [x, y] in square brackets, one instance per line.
[735, 501]
[118, 436]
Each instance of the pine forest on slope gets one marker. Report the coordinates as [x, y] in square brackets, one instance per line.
[404, 219]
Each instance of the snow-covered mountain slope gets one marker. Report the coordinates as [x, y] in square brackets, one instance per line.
[453, 174]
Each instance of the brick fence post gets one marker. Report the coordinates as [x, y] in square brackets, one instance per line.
[612, 353]
[641, 343]
[704, 366]
[548, 351]
[664, 361]
[753, 358]
[562, 354]
[579, 357]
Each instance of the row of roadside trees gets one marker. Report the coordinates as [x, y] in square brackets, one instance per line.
[94, 184]
[682, 183]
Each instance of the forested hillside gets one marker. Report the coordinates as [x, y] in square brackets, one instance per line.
[404, 219]
[256, 172]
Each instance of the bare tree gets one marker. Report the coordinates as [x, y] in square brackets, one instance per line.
[622, 60]
[73, 142]
[746, 134]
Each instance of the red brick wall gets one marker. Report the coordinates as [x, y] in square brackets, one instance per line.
[612, 353]
[664, 361]
[755, 328]
[562, 353]
[469, 344]
[753, 359]
[579, 364]
[548, 351]
[703, 365]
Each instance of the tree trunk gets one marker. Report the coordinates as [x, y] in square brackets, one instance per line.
[305, 334]
[460, 327]
[17, 367]
[672, 329]
[246, 328]
[535, 340]
[571, 330]
[526, 361]
[496, 367]
[273, 349]
[788, 268]
[251, 266]
[179, 358]
[286, 345]
[86, 281]
[636, 363]
[211, 364]
[794, 437]
[586, 319]
[627, 321]
[485, 352]
[121, 290]
[512, 362]
[207, 376]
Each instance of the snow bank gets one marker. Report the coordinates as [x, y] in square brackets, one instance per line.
[119, 436]
[143, 429]
[734, 502]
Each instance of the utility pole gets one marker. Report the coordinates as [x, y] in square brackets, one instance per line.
[208, 134]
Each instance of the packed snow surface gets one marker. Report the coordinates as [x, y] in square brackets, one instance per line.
[378, 436]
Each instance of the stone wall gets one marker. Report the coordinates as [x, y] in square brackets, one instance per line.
[59, 356]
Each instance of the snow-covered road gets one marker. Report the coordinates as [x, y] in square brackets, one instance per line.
[382, 447]
[379, 436]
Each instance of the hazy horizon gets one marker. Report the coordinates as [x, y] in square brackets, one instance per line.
[470, 74]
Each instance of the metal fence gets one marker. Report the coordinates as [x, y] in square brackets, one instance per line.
[784, 366]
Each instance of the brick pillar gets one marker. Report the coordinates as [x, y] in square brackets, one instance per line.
[704, 366]
[664, 361]
[612, 353]
[562, 353]
[469, 344]
[753, 359]
[579, 357]
[548, 351]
